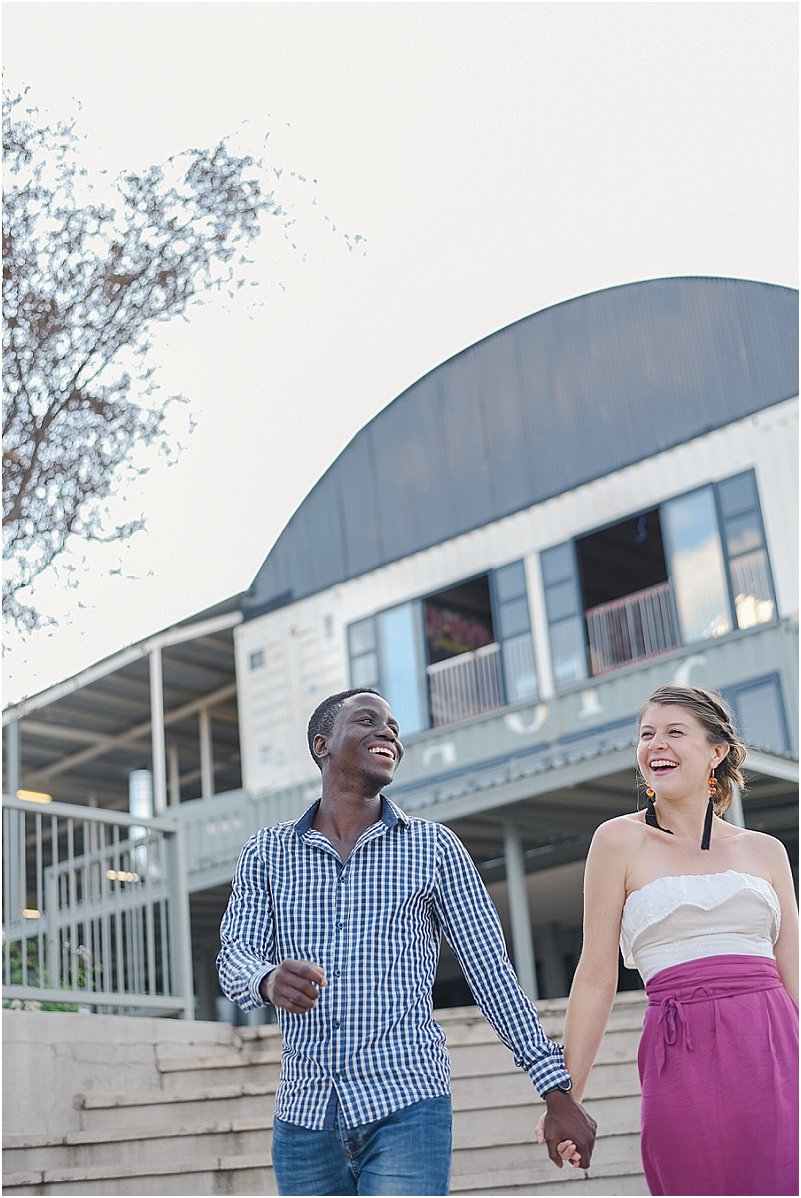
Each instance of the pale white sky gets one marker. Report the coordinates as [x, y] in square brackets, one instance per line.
[497, 157]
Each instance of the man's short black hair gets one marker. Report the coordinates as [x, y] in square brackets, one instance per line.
[323, 717]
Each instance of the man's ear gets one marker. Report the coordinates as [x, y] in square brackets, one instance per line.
[320, 746]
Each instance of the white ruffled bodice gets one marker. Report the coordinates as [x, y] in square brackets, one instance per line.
[688, 916]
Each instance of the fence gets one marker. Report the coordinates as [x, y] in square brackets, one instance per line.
[632, 628]
[465, 685]
[95, 910]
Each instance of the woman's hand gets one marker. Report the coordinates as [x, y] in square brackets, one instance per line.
[566, 1148]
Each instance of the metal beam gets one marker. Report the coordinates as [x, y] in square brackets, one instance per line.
[133, 734]
[171, 636]
[775, 767]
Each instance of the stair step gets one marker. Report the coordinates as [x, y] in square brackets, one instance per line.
[613, 1154]
[127, 1147]
[221, 1175]
[155, 1108]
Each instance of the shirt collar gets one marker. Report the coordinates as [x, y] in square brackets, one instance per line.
[390, 815]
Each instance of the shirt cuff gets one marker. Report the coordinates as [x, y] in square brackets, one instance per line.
[255, 982]
[550, 1071]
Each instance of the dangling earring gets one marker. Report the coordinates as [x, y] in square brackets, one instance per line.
[710, 811]
[650, 812]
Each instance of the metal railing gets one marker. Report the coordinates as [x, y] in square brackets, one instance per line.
[631, 629]
[95, 911]
[465, 685]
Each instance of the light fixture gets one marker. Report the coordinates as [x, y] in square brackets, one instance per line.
[31, 913]
[121, 875]
[34, 796]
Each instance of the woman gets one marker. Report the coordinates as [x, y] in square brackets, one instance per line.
[708, 916]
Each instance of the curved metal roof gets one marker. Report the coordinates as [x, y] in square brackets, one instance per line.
[545, 405]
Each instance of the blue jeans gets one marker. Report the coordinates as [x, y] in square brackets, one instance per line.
[408, 1152]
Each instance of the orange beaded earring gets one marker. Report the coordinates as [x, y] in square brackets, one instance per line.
[650, 812]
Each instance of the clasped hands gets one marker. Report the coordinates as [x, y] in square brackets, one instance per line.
[567, 1130]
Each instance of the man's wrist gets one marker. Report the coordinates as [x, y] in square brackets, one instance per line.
[258, 987]
[563, 1087]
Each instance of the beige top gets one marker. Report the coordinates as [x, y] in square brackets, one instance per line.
[687, 916]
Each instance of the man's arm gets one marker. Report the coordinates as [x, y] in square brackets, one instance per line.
[246, 932]
[471, 926]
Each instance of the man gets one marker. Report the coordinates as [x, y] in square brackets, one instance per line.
[336, 919]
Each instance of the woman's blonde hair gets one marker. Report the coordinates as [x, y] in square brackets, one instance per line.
[715, 716]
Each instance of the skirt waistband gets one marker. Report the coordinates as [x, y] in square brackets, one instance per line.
[706, 979]
[713, 977]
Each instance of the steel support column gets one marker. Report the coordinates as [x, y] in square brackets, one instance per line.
[206, 754]
[175, 775]
[157, 733]
[522, 939]
[12, 757]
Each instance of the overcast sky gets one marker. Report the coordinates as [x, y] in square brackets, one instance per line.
[496, 158]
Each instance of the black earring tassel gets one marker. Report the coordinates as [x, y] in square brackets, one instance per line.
[650, 815]
[710, 811]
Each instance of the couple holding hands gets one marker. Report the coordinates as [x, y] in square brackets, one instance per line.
[336, 919]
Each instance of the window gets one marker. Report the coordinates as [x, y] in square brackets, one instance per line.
[760, 714]
[256, 659]
[696, 565]
[747, 556]
[456, 653]
[675, 574]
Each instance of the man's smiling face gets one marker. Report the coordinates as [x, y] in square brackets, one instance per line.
[363, 743]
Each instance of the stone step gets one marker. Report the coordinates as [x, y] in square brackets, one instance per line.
[617, 1180]
[128, 1147]
[471, 1061]
[470, 1039]
[149, 1166]
[231, 1069]
[473, 1165]
[614, 1078]
[157, 1109]
[221, 1175]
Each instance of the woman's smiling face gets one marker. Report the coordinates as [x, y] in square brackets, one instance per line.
[674, 753]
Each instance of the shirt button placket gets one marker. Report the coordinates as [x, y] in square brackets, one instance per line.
[339, 955]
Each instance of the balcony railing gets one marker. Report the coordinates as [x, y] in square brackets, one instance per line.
[95, 910]
[465, 685]
[631, 629]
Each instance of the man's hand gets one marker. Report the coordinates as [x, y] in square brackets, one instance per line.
[566, 1123]
[294, 986]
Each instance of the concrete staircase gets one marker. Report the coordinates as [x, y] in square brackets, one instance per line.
[206, 1127]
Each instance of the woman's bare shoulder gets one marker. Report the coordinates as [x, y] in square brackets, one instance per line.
[619, 828]
[766, 852]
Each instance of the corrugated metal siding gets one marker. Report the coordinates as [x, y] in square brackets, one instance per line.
[555, 401]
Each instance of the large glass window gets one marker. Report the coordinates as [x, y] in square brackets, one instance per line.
[744, 540]
[401, 665]
[692, 540]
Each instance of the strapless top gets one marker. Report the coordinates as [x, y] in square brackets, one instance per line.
[687, 916]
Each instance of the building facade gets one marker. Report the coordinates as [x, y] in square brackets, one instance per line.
[596, 500]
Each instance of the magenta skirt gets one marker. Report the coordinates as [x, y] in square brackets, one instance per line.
[718, 1065]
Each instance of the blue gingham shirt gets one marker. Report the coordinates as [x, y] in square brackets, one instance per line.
[373, 925]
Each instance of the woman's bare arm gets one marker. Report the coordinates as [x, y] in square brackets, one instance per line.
[595, 982]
